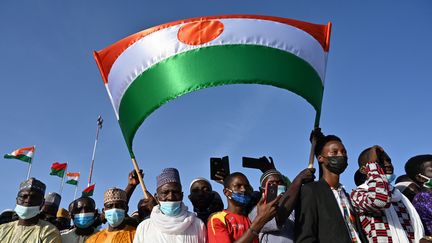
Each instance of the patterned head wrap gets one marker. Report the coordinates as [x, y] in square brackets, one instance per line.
[33, 184]
[168, 175]
[114, 195]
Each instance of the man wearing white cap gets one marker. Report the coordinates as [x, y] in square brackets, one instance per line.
[205, 201]
[170, 221]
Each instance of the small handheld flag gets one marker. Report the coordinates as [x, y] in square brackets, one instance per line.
[58, 169]
[23, 154]
[88, 192]
[72, 178]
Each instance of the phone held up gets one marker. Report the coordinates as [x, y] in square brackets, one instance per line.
[219, 168]
[272, 191]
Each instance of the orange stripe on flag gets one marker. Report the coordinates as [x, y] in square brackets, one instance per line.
[73, 174]
[24, 150]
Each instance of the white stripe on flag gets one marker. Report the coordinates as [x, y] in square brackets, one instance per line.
[163, 44]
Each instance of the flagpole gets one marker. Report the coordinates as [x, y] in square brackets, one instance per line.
[311, 154]
[137, 170]
[62, 180]
[99, 126]
[76, 189]
[31, 162]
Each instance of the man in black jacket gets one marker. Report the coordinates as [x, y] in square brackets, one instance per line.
[325, 213]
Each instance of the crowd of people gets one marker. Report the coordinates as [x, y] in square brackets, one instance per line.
[380, 209]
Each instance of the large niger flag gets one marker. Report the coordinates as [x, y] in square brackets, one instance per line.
[147, 69]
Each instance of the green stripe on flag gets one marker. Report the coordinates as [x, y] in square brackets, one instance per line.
[21, 157]
[214, 66]
[72, 182]
[59, 173]
[87, 194]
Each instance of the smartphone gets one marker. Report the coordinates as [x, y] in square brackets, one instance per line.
[254, 163]
[271, 192]
[219, 166]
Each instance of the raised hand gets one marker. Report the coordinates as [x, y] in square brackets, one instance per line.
[267, 211]
[306, 175]
[316, 134]
[133, 178]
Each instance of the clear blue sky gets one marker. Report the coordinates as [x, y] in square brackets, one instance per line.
[377, 91]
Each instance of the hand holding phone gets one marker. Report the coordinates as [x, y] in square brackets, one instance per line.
[261, 163]
[271, 192]
[219, 168]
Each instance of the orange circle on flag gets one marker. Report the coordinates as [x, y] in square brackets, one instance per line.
[201, 32]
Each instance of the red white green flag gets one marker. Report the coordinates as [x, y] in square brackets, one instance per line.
[72, 178]
[23, 154]
[145, 70]
[88, 192]
[58, 169]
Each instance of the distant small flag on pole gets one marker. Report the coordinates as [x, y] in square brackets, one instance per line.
[58, 169]
[23, 154]
[72, 178]
[88, 192]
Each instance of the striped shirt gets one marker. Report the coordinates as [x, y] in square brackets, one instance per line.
[370, 204]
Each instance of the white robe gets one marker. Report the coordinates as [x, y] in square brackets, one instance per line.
[185, 228]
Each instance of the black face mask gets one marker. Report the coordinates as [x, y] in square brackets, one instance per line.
[337, 164]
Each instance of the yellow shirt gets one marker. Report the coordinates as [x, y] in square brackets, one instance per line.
[42, 232]
[70, 236]
[119, 236]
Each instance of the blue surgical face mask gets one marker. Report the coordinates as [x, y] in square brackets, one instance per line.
[27, 212]
[84, 220]
[390, 178]
[281, 189]
[240, 197]
[115, 216]
[170, 208]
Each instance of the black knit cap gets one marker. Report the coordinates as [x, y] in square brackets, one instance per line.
[269, 173]
[414, 165]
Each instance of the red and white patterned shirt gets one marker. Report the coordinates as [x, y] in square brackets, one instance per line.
[370, 204]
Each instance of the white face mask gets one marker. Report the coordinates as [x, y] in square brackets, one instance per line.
[27, 212]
